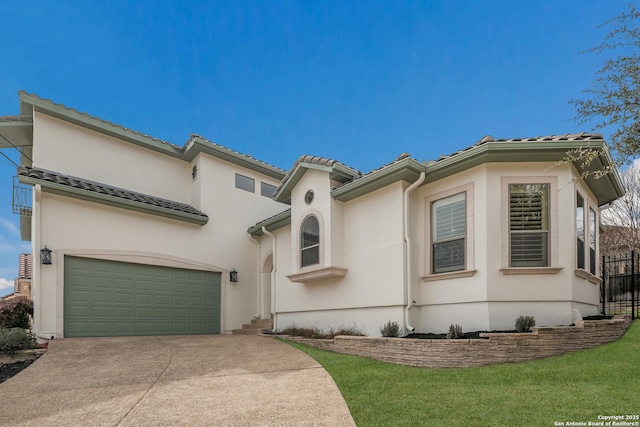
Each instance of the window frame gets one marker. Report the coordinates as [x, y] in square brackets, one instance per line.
[317, 246]
[448, 202]
[271, 187]
[580, 230]
[553, 251]
[529, 226]
[239, 181]
[469, 256]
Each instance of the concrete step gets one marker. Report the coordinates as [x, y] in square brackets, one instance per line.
[246, 331]
[255, 327]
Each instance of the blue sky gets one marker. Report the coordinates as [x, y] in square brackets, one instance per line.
[357, 81]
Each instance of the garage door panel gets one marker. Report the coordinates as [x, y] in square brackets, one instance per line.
[103, 298]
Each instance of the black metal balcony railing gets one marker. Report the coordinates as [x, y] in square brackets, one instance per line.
[22, 198]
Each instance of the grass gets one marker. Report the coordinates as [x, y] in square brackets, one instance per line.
[573, 387]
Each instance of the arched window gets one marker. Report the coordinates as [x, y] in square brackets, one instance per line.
[309, 241]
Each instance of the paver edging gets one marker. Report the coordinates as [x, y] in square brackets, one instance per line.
[491, 349]
[21, 356]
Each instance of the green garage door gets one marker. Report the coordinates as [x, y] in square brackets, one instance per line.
[109, 298]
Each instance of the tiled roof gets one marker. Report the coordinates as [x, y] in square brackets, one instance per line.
[318, 161]
[386, 165]
[108, 190]
[248, 156]
[551, 138]
[97, 118]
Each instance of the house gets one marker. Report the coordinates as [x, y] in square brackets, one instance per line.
[146, 237]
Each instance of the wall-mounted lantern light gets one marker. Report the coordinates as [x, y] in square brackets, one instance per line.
[233, 275]
[45, 256]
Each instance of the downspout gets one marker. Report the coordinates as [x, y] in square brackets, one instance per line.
[258, 276]
[407, 244]
[273, 278]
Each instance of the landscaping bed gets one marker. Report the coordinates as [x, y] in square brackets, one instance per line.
[464, 335]
[12, 369]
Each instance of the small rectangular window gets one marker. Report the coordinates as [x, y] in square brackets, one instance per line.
[529, 225]
[449, 230]
[267, 190]
[245, 183]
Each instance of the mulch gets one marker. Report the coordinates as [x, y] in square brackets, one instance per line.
[8, 371]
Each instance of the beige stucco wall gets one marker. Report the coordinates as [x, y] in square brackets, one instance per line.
[373, 291]
[491, 299]
[71, 226]
[73, 150]
[370, 238]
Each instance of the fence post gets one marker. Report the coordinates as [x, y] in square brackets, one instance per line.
[603, 297]
[634, 286]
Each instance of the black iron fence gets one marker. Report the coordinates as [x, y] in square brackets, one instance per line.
[619, 289]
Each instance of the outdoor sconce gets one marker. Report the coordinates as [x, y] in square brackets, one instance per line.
[233, 275]
[45, 256]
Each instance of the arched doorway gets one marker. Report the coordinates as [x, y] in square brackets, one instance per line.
[265, 289]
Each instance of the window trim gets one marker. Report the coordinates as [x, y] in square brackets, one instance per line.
[318, 245]
[529, 223]
[469, 270]
[253, 183]
[584, 229]
[585, 272]
[269, 186]
[553, 261]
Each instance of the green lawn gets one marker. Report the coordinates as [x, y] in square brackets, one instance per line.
[575, 387]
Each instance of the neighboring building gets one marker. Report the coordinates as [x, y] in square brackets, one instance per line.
[617, 239]
[148, 237]
[22, 284]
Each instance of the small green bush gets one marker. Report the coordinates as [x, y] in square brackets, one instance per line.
[455, 331]
[14, 339]
[525, 323]
[353, 331]
[16, 313]
[390, 329]
[316, 333]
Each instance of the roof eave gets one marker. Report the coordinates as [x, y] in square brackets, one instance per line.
[16, 131]
[606, 189]
[407, 169]
[198, 145]
[105, 199]
[275, 222]
[72, 116]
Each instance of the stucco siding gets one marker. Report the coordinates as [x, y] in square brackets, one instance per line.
[73, 150]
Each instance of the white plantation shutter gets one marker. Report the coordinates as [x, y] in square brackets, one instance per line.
[449, 229]
[528, 225]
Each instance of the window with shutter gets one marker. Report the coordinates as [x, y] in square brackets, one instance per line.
[529, 225]
[449, 229]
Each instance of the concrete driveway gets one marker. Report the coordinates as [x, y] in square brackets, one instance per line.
[224, 380]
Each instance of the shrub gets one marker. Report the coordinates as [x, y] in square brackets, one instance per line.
[16, 313]
[351, 330]
[390, 329]
[14, 339]
[455, 331]
[314, 332]
[297, 331]
[525, 323]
